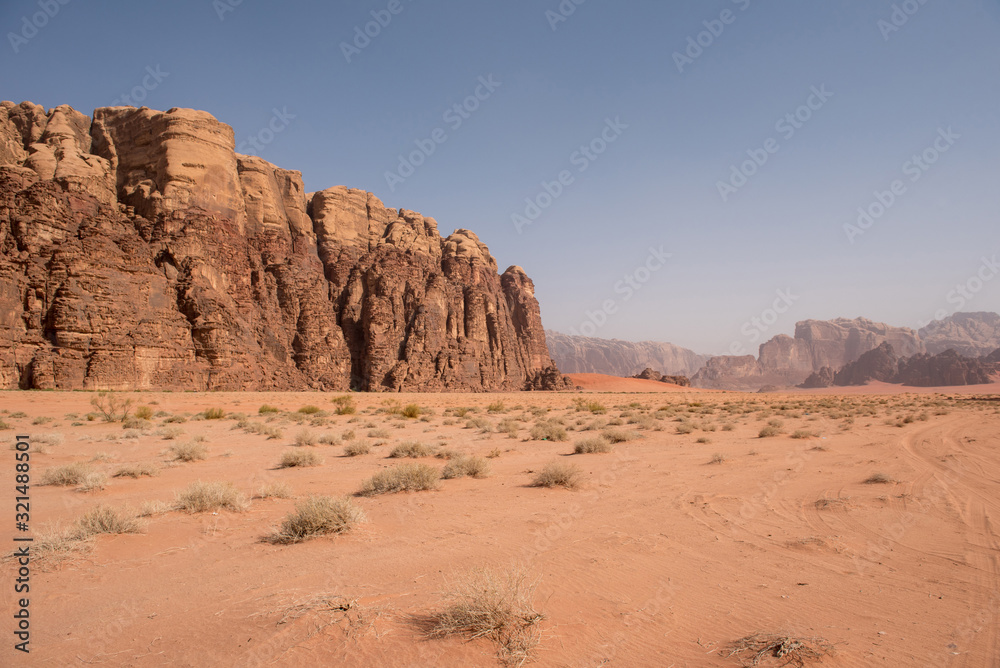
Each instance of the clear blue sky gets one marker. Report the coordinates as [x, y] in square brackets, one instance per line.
[655, 185]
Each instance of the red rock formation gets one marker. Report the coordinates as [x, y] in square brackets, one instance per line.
[612, 357]
[968, 334]
[140, 251]
[878, 364]
[652, 374]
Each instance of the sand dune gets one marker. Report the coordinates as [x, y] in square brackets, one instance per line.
[660, 558]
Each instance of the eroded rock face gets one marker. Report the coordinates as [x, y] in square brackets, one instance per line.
[878, 364]
[968, 334]
[945, 369]
[822, 378]
[582, 354]
[140, 251]
[652, 374]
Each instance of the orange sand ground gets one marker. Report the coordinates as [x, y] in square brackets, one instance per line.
[660, 559]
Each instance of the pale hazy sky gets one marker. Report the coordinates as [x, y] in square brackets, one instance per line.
[871, 89]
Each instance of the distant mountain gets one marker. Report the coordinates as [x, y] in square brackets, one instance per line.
[968, 334]
[944, 369]
[582, 354]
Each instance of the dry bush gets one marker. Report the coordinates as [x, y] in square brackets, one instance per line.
[496, 407]
[136, 471]
[304, 438]
[104, 519]
[329, 439]
[768, 432]
[213, 414]
[189, 452]
[411, 449]
[717, 458]
[144, 413]
[593, 445]
[266, 410]
[150, 508]
[620, 435]
[299, 458]
[379, 433]
[804, 433]
[50, 438]
[493, 603]
[558, 474]
[401, 478]
[317, 516]
[309, 410]
[412, 411]
[201, 497]
[582, 404]
[879, 479]
[112, 407]
[345, 405]
[545, 430]
[758, 647]
[273, 490]
[94, 481]
[473, 467]
[355, 448]
[63, 476]
[170, 433]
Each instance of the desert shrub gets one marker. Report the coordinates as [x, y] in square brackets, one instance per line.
[180, 419]
[477, 423]
[63, 476]
[344, 405]
[356, 448]
[170, 433]
[329, 439]
[728, 427]
[213, 414]
[703, 439]
[136, 471]
[317, 516]
[595, 407]
[545, 430]
[495, 604]
[401, 478]
[717, 458]
[496, 407]
[106, 520]
[266, 409]
[412, 411]
[150, 508]
[349, 435]
[112, 407]
[273, 490]
[379, 433]
[777, 424]
[592, 445]
[304, 438]
[411, 449]
[50, 438]
[804, 433]
[93, 481]
[558, 474]
[620, 435]
[144, 412]
[299, 458]
[309, 410]
[473, 467]
[879, 479]
[189, 452]
[509, 427]
[447, 453]
[200, 497]
[461, 412]
[768, 432]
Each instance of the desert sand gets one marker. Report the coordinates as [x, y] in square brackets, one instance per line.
[674, 546]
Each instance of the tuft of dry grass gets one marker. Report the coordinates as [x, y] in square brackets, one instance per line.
[299, 458]
[356, 448]
[758, 647]
[136, 471]
[558, 474]
[200, 497]
[717, 458]
[620, 435]
[305, 437]
[105, 520]
[213, 414]
[401, 478]
[879, 479]
[411, 449]
[64, 476]
[317, 516]
[493, 603]
[596, 444]
[473, 467]
[769, 431]
[189, 452]
[547, 431]
[273, 490]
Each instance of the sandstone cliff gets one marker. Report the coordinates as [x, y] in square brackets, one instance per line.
[581, 354]
[968, 334]
[138, 250]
